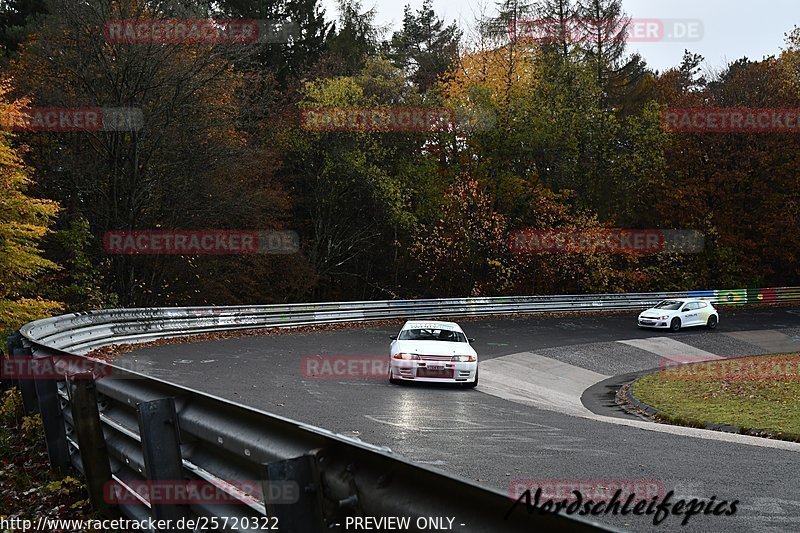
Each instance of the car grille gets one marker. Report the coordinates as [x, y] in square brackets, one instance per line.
[447, 358]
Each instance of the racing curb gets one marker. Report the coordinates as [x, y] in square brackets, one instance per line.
[665, 417]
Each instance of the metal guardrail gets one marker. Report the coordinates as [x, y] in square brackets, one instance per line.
[264, 470]
[82, 332]
[142, 429]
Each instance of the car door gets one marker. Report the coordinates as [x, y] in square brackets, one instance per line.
[702, 313]
[690, 316]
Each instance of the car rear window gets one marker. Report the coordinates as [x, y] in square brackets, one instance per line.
[432, 335]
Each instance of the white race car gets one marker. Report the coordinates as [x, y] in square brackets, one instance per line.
[677, 313]
[432, 351]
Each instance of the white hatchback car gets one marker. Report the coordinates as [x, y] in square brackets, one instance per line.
[432, 351]
[677, 313]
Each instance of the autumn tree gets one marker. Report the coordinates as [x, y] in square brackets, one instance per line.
[465, 252]
[494, 86]
[361, 192]
[187, 167]
[24, 222]
[740, 189]
[548, 126]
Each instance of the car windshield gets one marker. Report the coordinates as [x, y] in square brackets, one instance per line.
[669, 305]
[444, 335]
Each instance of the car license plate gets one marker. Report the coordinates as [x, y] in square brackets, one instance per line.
[444, 373]
[435, 367]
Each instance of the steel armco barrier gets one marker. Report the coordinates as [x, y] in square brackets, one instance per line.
[138, 428]
[80, 333]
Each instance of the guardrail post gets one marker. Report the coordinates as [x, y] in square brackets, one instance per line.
[27, 387]
[52, 418]
[17, 352]
[158, 429]
[293, 494]
[94, 454]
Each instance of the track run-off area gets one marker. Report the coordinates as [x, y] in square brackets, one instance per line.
[544, 408]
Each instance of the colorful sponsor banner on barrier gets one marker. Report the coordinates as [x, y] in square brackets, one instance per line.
[732, 297]
[742, 296]
[702, 294]
[762, 295]
[788, 293]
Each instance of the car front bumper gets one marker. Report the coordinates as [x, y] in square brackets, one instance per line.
[433, 372]
[653, 323]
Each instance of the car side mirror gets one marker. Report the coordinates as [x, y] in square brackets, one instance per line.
[471, 340]
[393, 337]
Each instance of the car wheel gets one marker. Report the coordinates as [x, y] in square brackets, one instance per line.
[472, 384]
[392, 380]
[712, 322]
[675, 325]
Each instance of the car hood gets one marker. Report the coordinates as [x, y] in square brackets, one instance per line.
[433, 348]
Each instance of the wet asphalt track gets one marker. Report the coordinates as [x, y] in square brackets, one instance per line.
[495, 441]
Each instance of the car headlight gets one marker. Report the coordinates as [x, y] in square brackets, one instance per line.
[464, 359]
[663, 318]
[406, 356]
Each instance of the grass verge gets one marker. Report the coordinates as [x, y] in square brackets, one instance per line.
[760, 395]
